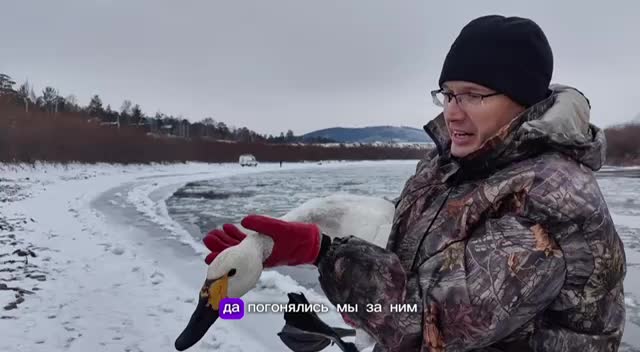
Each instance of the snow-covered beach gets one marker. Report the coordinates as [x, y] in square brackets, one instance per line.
[91, 259]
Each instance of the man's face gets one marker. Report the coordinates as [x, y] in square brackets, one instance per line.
[470, 124]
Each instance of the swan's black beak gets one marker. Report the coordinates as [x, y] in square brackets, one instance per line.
[206, 313]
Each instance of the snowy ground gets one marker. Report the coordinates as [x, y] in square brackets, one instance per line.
[75, 278]
[91, 260]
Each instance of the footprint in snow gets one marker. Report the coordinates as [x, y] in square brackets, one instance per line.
[106, 246]
[157, 278]
[69, 342]
[213, 345]
[133, 348]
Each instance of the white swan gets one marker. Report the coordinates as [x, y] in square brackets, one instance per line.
[236, 270]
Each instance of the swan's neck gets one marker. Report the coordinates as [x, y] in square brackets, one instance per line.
[257, 246]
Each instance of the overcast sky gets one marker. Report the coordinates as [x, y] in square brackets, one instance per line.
[300, 64]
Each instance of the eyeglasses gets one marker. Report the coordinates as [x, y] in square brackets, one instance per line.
[442, 98]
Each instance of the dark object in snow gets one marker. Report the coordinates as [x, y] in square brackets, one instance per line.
[24, 253]
[305, 332]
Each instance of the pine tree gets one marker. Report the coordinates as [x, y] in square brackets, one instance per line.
[51, 99]
[95, 107]
[136, 115]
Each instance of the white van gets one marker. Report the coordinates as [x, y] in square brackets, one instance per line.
[248, 160]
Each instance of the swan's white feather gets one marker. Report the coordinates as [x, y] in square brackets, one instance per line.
[341, 215]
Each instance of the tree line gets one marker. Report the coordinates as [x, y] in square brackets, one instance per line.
[53, 128]
[623, 144]
[129, 114]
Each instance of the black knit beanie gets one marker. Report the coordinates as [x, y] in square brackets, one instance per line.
[510, 55]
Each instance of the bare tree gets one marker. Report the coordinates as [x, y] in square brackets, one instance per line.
[32, 95]
[125, 108]
[185, 127]
[209, 126]
[71, 103]
[125, 112]
[24, 92]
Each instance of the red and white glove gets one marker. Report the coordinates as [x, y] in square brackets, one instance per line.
[294, 243]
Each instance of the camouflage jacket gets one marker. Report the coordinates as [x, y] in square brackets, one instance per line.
[509, 249]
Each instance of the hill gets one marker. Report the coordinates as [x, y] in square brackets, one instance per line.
[371, 134]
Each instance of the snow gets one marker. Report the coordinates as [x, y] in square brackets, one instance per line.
[7, 296]
[101, 281]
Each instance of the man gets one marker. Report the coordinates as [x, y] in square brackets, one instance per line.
[502, 237]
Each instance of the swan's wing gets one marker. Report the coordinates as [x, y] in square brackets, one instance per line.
[348, 215]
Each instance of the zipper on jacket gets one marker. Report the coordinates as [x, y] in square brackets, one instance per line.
[424, 235]
[415, 256]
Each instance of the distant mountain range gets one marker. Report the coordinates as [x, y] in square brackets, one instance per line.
[371, 134]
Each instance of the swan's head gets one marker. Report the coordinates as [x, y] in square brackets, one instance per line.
[232, 273]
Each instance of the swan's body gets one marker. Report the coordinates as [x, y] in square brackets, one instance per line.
[365, 217]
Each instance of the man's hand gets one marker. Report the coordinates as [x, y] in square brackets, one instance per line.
[220, 239]
[294, 243]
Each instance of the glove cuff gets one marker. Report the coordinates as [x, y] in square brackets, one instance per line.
[315, 246]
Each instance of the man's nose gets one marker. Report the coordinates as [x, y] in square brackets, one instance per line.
[453, 112]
